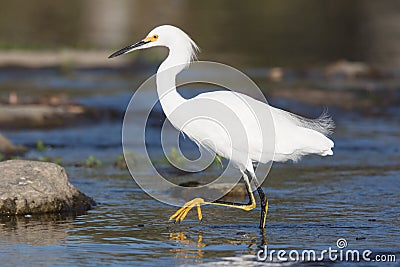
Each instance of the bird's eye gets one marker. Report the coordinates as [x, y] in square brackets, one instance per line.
[155, 36]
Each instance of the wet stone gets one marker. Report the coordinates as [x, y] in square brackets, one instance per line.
[32, 187]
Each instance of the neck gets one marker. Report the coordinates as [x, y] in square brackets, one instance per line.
[170, 99]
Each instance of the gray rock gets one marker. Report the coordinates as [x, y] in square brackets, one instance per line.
[36, 116]
[51, 114]
[33, 187]
[236, 194]
[9, 148]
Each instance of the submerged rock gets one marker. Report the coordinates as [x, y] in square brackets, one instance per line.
[237, 193]
[33, 187]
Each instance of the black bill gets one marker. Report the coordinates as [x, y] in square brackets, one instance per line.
[128, 48]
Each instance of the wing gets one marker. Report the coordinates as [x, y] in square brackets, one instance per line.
[290, 135]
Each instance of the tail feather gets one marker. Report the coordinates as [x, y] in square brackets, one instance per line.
[297, 136]
[323, 124]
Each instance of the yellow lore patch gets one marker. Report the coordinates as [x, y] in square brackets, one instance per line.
[151, 38]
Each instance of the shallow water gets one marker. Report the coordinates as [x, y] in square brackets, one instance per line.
[352, 195]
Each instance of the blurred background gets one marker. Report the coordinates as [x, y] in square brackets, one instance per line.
[62, 100]
[260, 33]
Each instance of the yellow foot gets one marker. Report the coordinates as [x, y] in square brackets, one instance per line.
[182, 212]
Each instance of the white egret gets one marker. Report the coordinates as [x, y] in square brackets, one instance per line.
[295, 136]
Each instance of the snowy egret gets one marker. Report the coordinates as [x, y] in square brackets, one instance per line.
[295, 136]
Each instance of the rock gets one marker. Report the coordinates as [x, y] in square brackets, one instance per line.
[8, 148]
[276, 74]
[31, 115]
[348, 69]
[28, 116]
[63, 58]
[33, 187]
[239, 190]
[237, 194]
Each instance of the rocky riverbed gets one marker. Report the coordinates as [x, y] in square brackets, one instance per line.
[313, 202]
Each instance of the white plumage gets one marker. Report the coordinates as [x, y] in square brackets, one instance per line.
[294, 136]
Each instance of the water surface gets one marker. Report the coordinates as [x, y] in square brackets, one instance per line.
[352, 195]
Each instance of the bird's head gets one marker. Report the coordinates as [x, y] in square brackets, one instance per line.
[167, 36]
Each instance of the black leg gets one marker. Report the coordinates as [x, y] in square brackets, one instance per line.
[248, 190]
[264, 207]
[263, 200]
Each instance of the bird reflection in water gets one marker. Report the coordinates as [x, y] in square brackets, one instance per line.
[193, 247]
[187, 251]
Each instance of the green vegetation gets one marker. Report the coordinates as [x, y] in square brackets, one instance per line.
[129, 156]
[175, 156]
[120, 163]
[40, 146]
[50, 159]
[217, 161]
[92, 162]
